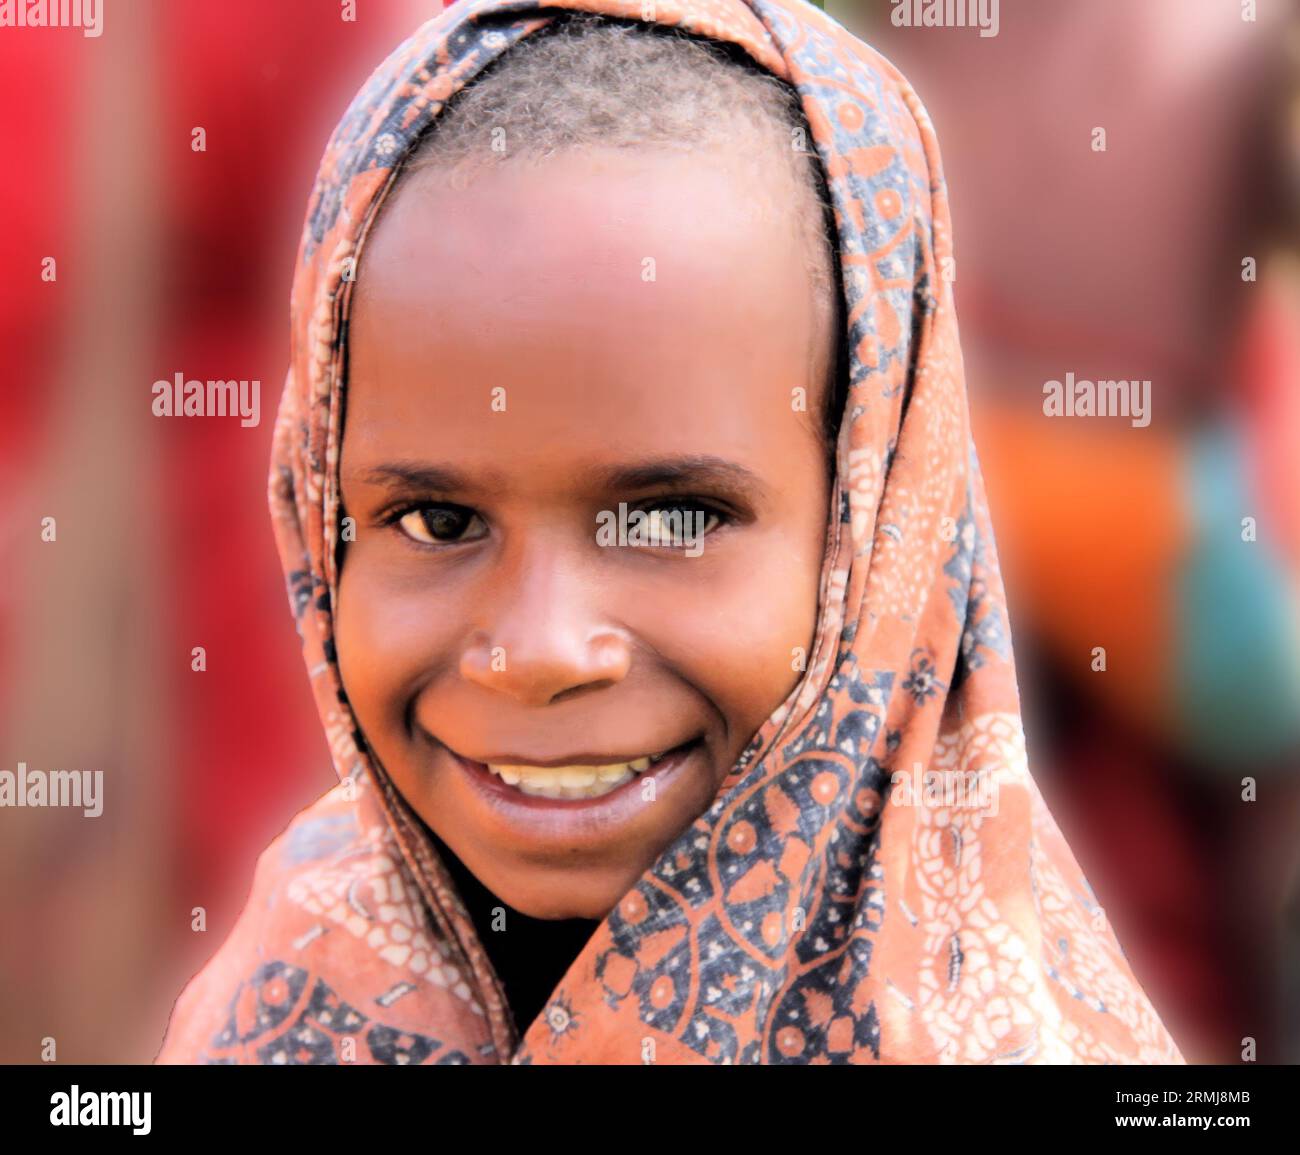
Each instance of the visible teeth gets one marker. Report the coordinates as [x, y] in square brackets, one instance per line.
[539, 777]
[578, 776]
[571, 781]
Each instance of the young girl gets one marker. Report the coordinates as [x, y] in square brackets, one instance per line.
[742, 780]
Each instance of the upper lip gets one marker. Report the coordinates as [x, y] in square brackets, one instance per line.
[567, 759]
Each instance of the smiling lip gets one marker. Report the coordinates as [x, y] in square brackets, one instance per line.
[547, 816]
[566, 760]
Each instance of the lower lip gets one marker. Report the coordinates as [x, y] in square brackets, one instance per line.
[622, 804]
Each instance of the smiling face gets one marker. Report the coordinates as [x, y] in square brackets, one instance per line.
[519, 368]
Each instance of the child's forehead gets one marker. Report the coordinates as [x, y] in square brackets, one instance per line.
[650, 219]
[593, 289]
[601, 306]
[738, 181]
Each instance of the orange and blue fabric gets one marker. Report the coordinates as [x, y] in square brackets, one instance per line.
[837, 902]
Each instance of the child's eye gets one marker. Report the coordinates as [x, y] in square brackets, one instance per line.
[439, 524]
[694, 513]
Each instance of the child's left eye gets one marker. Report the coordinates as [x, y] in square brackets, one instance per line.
[706, 515]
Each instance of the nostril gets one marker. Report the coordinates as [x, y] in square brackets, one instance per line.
[585, 688]
[549, 667]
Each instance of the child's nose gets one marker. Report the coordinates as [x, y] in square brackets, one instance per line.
[542, 637]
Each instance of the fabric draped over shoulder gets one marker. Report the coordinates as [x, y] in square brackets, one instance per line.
[878, 878]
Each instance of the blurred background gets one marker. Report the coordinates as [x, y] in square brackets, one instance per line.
[1170, 255]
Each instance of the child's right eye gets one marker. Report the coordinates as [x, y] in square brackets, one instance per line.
[438, 524]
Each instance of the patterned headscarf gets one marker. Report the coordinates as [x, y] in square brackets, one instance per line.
[878, 878]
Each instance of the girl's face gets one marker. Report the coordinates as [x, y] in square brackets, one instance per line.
[525, 355]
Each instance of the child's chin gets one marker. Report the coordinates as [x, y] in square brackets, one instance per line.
[562, 897]
[566, 904]
[559, 907]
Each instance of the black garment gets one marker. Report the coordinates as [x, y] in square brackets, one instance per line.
[531, 955]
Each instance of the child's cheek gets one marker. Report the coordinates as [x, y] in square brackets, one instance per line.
[743, 636]
[392, 636]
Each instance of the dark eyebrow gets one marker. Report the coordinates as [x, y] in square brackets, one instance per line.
[692, 469]
[435, 478]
